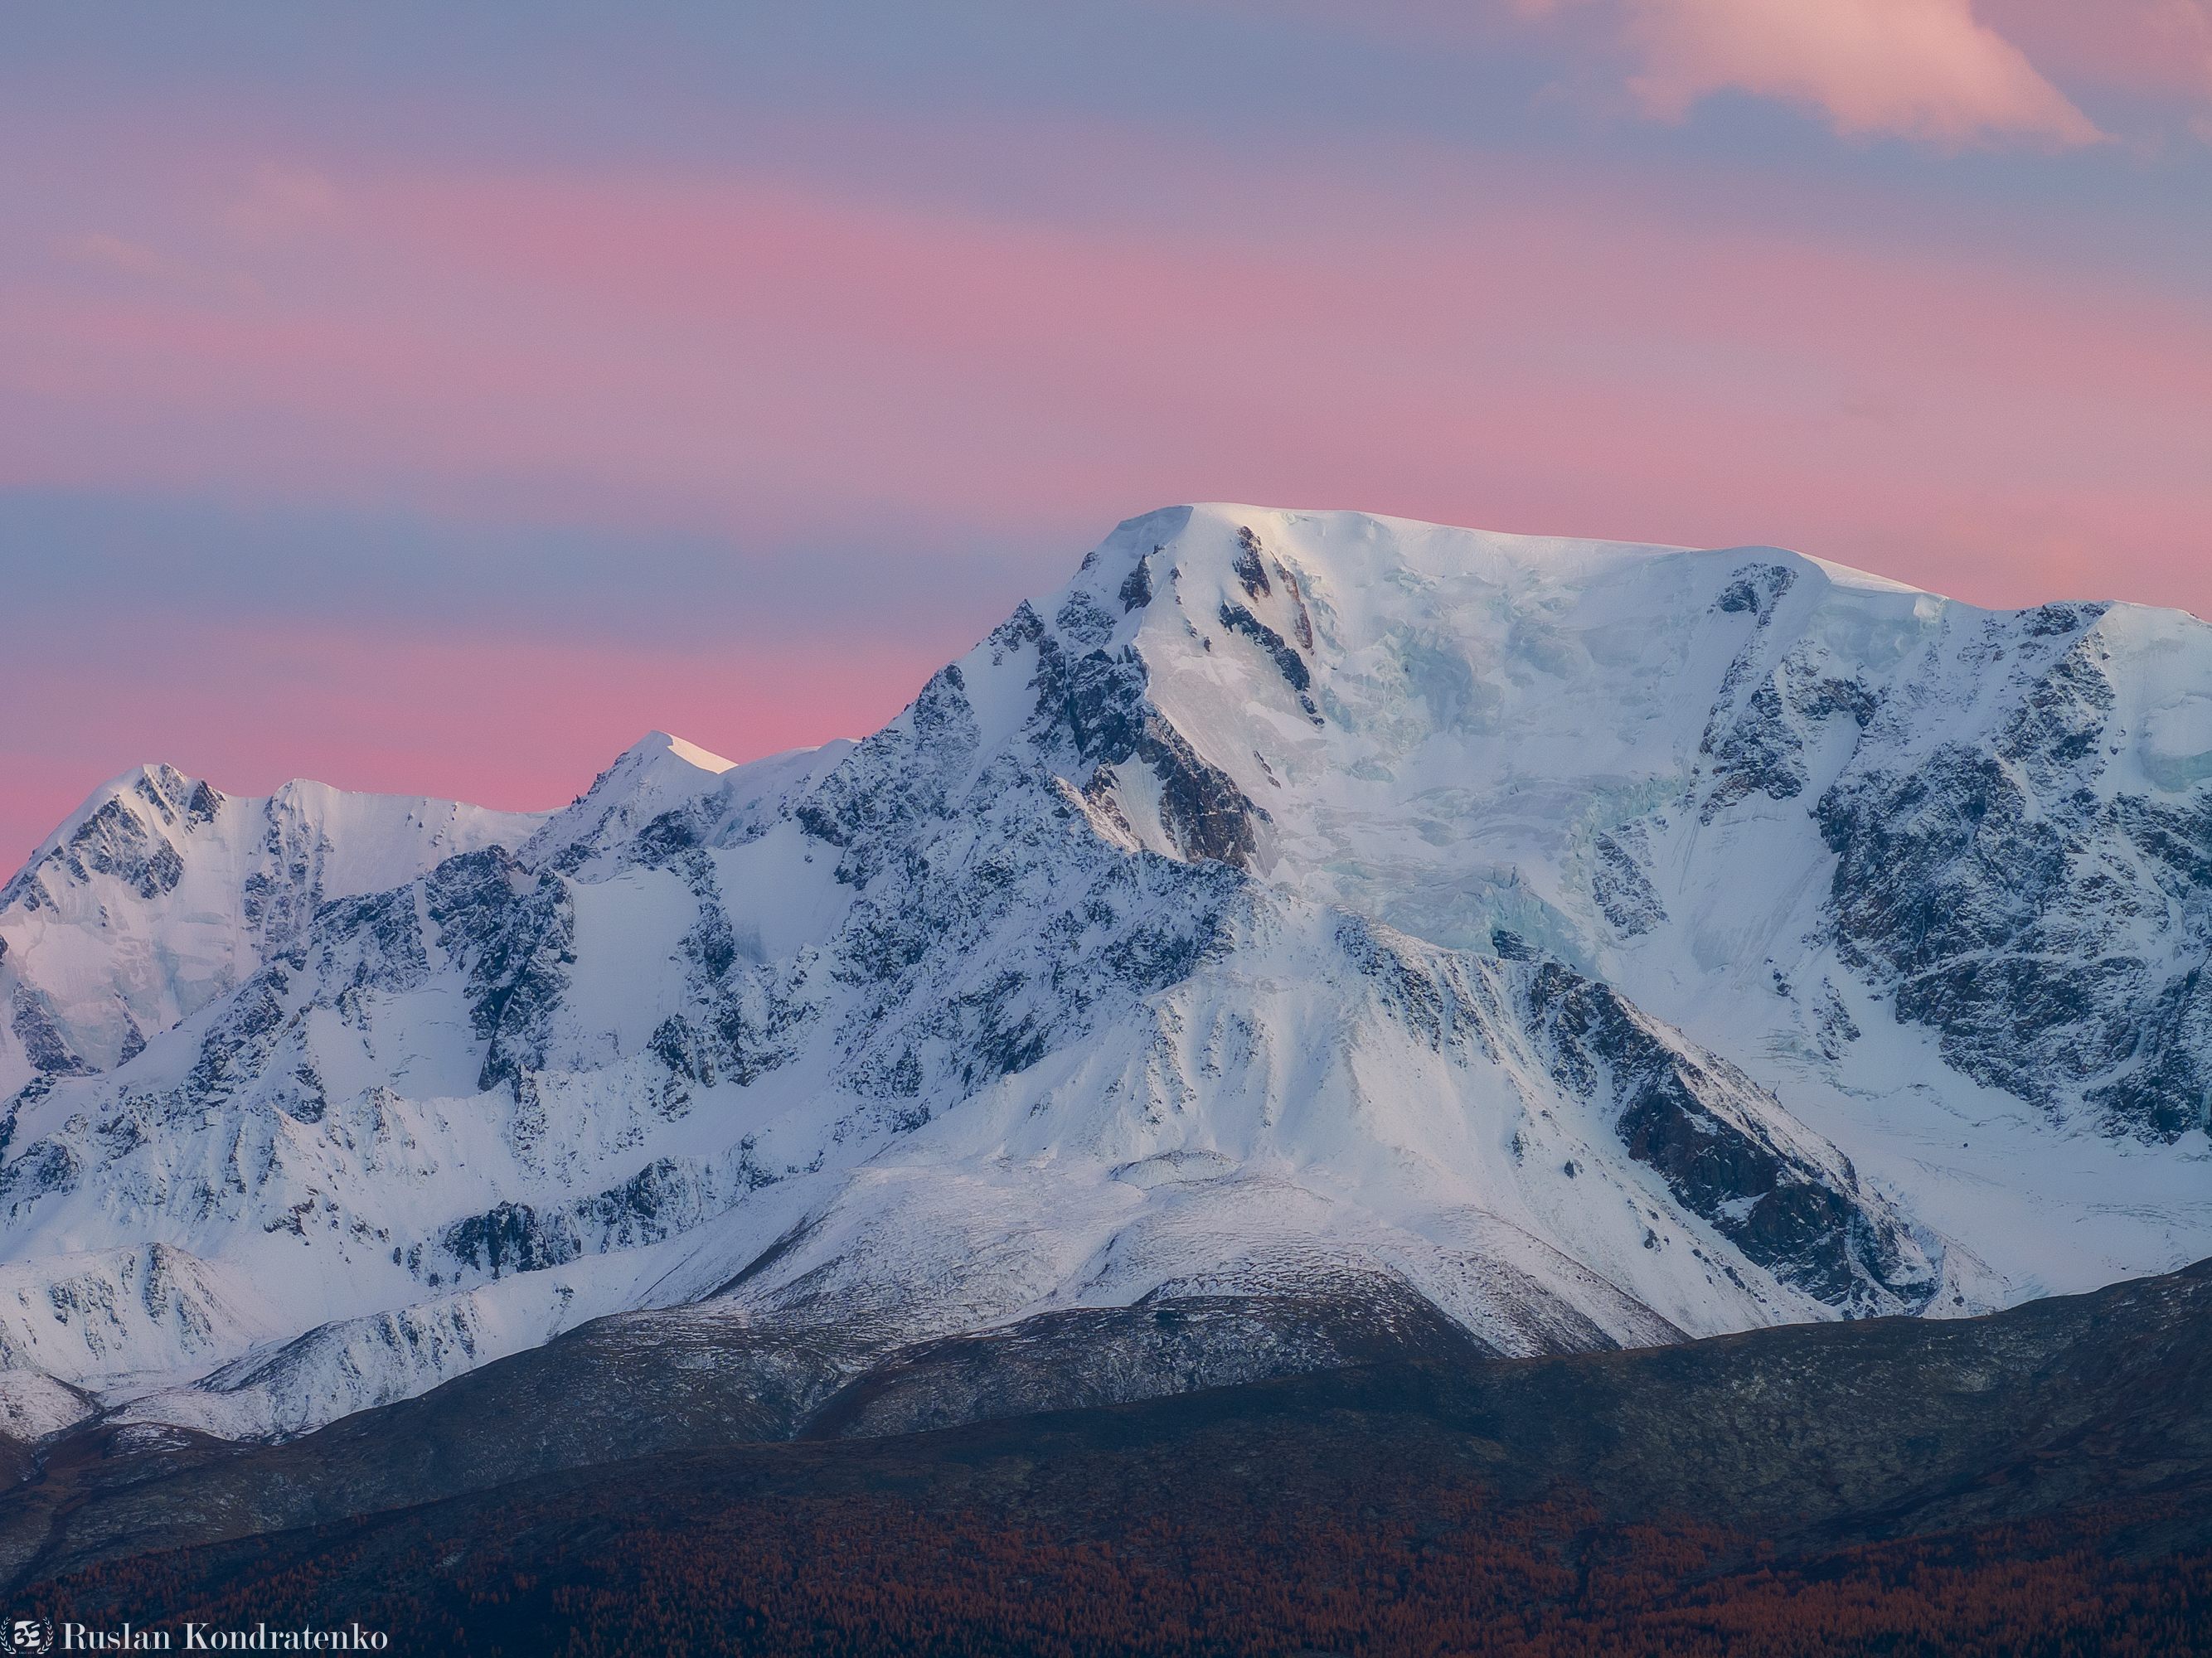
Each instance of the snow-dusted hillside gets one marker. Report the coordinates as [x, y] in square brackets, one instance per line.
[1297, 911]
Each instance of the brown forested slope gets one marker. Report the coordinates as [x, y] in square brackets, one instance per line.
[2040, 1481]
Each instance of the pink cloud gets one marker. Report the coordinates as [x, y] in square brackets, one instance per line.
[1924, 68]
[736, 352]
[2159, 47]
[111, 253]
[282, 199]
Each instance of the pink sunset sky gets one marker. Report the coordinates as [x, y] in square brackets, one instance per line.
[434, 403]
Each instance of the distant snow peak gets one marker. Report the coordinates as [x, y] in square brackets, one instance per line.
[1300, 919]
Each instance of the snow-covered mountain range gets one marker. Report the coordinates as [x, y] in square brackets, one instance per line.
[1299, 923]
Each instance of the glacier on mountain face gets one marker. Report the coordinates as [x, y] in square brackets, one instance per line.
[1590, 943]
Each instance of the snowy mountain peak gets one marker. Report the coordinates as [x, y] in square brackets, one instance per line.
[1588, 942]
[663, 794]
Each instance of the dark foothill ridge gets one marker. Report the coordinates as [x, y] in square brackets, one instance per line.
[2079, 1422]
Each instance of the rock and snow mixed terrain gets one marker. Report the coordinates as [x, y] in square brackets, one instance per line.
[1299, 928]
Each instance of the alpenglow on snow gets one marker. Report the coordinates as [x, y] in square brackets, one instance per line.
[1301, 934]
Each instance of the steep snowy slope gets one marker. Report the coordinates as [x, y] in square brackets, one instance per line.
[1942, 876]
[1281, 917]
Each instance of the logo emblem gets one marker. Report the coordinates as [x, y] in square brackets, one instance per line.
[30, 1634]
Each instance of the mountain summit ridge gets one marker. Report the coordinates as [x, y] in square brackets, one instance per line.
[1296, 912]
